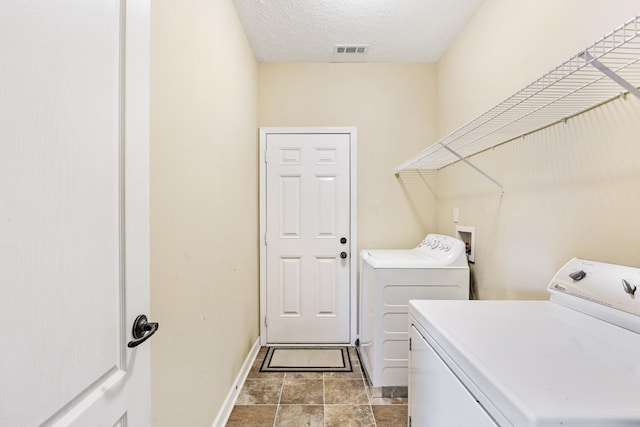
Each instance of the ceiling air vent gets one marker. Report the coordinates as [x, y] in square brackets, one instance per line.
[350, 52]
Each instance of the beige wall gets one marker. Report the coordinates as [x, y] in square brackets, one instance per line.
[572, 189]
[204, 260]
[393, 108]
[510, 43]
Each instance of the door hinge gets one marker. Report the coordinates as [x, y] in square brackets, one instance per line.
[265, 321]
[409, 421]
[265, 238]
[409, 344]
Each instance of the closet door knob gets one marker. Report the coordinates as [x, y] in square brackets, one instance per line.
[343, 240]
[142, 330]
[343, 255]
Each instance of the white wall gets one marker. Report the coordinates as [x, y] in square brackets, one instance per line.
[204, 215]
[572, 188]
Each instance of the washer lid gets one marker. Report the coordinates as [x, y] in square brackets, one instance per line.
[398, 258]
[435, 250]
[538, 363]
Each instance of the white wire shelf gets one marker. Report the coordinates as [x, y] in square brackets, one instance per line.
[595, 75]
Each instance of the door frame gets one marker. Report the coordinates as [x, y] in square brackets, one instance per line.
[353, 264]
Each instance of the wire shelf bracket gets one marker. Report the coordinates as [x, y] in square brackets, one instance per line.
[586, 80]
[476, 168]
[611, 74]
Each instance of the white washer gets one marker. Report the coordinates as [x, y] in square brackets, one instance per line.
[436, 269]
[571, 361]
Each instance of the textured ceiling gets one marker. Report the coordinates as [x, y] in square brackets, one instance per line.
[393, 30]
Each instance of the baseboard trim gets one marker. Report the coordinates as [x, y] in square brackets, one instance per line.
[232, 396]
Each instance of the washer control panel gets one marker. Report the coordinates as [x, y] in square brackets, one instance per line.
[439, 246]
[602, 290]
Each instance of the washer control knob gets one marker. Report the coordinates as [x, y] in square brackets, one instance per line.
[629, 288]
[578, 275]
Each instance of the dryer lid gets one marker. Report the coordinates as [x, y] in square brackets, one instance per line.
[538, 363]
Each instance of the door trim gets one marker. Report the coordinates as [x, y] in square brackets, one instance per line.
[353, 265]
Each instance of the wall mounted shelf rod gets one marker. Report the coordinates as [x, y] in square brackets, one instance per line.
[588, 79]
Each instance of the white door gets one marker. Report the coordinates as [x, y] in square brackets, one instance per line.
[73, 212]
[308, 260]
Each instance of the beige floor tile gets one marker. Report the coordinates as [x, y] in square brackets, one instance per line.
[350, 392]
[343, 376]
[296, 399]
[390, 415]
[300, 415]
[302, 392]
[260, 392]
[355, 375]
[388, 400]
[294, 376]
[353, 356]
[348, 416]
[252, 416]
[255, 373]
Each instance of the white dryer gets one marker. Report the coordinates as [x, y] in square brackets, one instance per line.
[436, 269]
[572, 361]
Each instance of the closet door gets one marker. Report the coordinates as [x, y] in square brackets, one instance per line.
[73, 212]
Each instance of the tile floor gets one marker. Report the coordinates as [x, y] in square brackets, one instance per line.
[323, 399]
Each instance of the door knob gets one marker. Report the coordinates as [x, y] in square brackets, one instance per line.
[343, 255]
[343, 240]
[142, 330]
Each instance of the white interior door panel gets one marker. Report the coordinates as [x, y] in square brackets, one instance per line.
[307, 214]
[73, 212]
